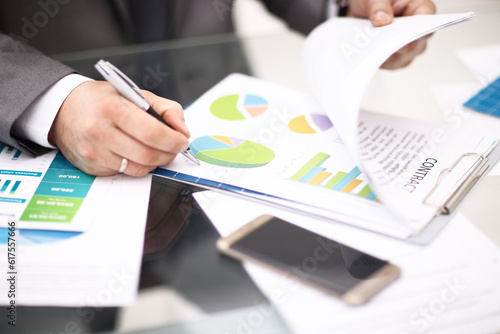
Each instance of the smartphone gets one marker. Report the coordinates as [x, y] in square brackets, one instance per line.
[345, 272]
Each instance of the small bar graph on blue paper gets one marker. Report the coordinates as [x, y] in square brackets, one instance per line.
[487, 100]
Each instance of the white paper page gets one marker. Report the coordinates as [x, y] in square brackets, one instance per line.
[340, 57]
[449, 286]
[304, 160]
[405, 158]
[47, 192]
[99, 267]
[483, 62]
[451, 98]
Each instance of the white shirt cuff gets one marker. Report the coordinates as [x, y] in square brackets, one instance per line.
[35, 122]
[332, 9]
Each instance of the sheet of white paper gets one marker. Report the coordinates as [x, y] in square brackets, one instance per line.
[483, 62]
[450, 286]
[451, 98]
[298, 142]
[99, 267]
[340, 58]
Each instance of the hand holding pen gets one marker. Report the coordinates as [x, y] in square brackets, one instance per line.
[96, 128]
[129, 90]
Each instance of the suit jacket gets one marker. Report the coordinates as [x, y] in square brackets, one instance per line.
[32, 29]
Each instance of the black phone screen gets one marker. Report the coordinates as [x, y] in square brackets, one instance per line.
[308, 255]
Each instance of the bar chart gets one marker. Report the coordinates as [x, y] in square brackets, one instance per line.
[60, 193]
[9, 187]
[314, 173]
[7, 150]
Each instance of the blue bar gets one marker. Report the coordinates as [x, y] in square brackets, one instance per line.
[354, 173]
[17, 155]
[371, 196]
[12, 200]
[19, 173]
[5, 185]
[10, 149]
[14, 188]
[312, 173]
[2, 146]
[60, 162]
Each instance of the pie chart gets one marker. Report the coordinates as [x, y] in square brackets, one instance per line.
[231, 152]
[238, 107]
[312, 123]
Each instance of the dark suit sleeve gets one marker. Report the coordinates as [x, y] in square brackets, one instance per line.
[25, 73]
[300, 15]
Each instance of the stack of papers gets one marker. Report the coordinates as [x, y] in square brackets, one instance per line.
[76, 241]
[320, 154]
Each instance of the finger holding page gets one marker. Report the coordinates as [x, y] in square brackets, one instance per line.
[382, 12]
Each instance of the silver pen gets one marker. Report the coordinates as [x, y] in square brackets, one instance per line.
[129, 90]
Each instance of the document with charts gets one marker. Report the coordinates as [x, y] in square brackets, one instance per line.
[323, 156]
[47, 192]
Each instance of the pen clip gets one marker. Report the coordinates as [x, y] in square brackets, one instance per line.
[118, 78]
[126, 79]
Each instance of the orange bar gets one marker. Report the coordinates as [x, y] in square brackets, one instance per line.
[351, 185]
[320, 177]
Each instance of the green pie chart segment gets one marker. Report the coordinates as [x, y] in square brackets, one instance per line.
[237, 107]
[231, 152]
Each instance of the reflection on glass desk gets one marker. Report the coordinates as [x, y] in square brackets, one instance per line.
[179, 251]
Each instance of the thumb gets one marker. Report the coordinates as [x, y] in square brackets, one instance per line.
[380, 12]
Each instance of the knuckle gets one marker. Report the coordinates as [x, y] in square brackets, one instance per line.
[140, 170]
[148, 157]
[88, 154]
[152, 136]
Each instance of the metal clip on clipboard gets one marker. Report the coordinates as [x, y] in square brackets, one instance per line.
[455, 197]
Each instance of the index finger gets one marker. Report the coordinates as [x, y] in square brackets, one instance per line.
[171, 111]
[138, 124]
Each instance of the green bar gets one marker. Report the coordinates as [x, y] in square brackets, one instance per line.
[316, 161]
[334, 180]
[51, 208]
[365, 191]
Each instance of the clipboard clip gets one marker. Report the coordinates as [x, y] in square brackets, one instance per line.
[456, 196]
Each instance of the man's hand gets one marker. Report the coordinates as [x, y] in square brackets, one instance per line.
[96, 128]
[381, 13]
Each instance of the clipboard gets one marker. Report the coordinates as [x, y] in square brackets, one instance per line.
[450, 206]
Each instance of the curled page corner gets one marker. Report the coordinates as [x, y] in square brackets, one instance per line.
[340, 58]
